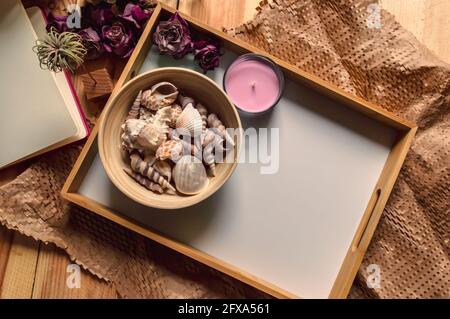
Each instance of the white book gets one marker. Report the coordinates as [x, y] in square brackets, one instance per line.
[39, 110]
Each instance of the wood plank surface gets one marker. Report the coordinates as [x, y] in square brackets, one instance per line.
[218, 13]
[52, 274]
[428, 20]
[30, 269]
[18, 279]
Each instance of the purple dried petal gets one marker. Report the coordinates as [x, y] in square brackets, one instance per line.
[92, 42]
[118, 39]
[58, 22]
[208, 57]
[173, 37]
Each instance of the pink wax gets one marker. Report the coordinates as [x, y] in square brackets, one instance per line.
[252, 85]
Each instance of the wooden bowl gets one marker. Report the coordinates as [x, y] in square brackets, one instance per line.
[114, 159]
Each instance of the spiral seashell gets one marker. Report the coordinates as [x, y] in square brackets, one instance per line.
[214, 122]
[160, 95]
[190, 121]
[133, 113]
[144, 181]
[203, 113]
[189, 175]
[150, 159]
[209, 151]
[185, 101]
[164, 168]
[145, 169]
[208, 136]
[175, 114]
[192, 149]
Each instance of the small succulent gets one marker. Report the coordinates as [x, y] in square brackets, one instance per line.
[60, 51]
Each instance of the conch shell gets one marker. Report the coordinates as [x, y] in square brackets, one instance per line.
[131, 130]
[133, 113]
[214, 122]
[189, 175]
[162, 117]
[144, 181]
[203, 113]
[145, 114]
[155, 132]
[145, 169]
[190, 121]
[150, 138]
[160, 95]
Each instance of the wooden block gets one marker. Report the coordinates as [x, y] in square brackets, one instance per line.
[101, 89]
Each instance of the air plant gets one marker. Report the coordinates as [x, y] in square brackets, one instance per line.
[60, 51]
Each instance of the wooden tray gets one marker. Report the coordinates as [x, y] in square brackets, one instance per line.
[299, 233]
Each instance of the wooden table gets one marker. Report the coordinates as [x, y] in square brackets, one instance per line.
[29, 269]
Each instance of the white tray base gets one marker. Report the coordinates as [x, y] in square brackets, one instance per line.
[293, 228]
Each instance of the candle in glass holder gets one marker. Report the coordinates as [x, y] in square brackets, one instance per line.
[254, 83]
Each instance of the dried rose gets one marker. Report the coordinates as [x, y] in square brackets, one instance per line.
[173, 37]
[207, 54]
[99, 16]
[136, 15]
[118, 39]
[92, 43]
[58, 22]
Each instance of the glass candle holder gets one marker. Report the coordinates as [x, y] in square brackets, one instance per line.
[254, 83]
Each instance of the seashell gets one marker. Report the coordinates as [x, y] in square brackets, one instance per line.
[171, 149]
[175, 114]
[144, 181]
[144, 168]
[160, 95]
[209, 151]
[131, 130]
[150, 159]
[164, 168]
[185, 101]
[145, 114]
[190, 121]
[162, 117]
[189, 148]
[151, 137]
[214, 122]
[203, 113]
[208, 136]
[133, 113]
[189, 175]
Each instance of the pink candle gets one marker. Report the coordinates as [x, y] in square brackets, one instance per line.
[253, 83]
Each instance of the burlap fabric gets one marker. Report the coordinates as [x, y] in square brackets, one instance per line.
[331, 39]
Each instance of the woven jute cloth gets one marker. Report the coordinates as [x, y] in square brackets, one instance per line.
[340, 42]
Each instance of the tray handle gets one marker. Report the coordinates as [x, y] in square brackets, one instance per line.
[372, 208]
